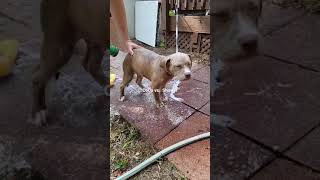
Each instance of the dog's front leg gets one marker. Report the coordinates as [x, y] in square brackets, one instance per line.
[162, 95]
[219, 70]
[38, 114]
[156, 93]
[54, 55]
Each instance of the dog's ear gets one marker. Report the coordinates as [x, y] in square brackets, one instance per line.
[165, 63]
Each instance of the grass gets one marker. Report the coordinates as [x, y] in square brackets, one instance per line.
[128, 150]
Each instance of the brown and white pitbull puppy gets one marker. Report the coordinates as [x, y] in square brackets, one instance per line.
[235, 31]
[157, 68]
[63, 23]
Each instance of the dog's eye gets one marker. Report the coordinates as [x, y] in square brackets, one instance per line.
[179, 66]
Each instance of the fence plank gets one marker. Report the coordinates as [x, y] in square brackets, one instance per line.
[183, 4]
[199, 24]
[191, 4]
[207, 6]
[200, 4]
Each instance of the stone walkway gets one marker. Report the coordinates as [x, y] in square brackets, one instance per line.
[273, 101]
[174, 122]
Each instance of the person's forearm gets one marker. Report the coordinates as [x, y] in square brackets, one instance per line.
[119, 15]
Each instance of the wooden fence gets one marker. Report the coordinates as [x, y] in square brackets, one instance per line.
[194, 29]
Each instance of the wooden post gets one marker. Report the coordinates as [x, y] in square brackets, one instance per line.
[165, 22]
[183, 5]
[207, 6]
[200, 4]
[191, 4]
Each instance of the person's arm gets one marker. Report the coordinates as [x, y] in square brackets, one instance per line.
[119, 19]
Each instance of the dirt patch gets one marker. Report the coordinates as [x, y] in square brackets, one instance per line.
[127, 150]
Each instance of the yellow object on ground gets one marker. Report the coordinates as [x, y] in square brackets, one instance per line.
[8, 55]
[112, 79]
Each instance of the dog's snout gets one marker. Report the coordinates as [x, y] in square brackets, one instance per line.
[249, 42]
[187, 74]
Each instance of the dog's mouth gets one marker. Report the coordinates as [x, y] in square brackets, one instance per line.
[183, 78]
[187, 77]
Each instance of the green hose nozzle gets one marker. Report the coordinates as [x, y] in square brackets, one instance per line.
[113, 50]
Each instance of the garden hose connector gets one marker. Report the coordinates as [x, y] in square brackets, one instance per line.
[113, 50]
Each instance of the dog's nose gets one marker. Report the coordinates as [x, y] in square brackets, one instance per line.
[249, 42]
[188, 76]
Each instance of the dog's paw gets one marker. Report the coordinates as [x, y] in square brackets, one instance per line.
[165, 99]
[39, 118]
[160, 105]
[121, 99]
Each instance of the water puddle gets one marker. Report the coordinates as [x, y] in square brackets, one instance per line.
[174, 89]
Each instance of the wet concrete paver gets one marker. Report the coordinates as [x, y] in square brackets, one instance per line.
[197, 153]
[13, 30]
[194, 93]
[273, 100]
[139, 108]
[202, 75]
[274, 17]
[26, 23]
[194, 125]
[87, 158]
[206, 109]
[307, 150]
[28, 12]
[234, 157]
[272, 108]
[297, 42]
[282, 169]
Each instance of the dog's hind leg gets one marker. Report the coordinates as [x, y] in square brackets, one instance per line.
[219, 70]
[92, 62]
[127, 76]
[139, 81]
[56, 50]
[54, 55]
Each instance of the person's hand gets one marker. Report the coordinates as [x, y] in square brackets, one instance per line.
[130, 46]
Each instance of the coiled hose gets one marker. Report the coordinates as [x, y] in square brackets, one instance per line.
[162, 153]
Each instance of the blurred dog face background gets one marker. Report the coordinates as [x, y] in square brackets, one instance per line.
[235, 25]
